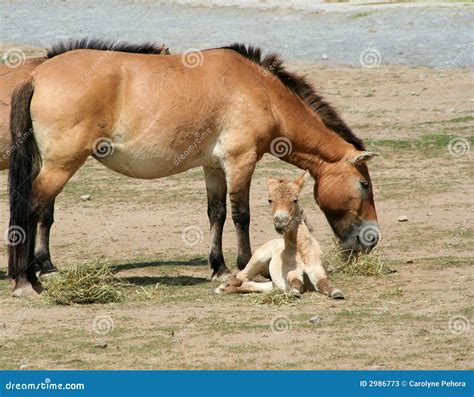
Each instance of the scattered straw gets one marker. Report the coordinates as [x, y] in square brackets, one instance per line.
[337, 261]
[275, 297]
[84, 284]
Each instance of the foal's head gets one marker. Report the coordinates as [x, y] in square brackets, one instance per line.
[343, 191]
[283, 197]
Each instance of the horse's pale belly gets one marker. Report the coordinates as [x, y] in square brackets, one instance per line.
[148, 160]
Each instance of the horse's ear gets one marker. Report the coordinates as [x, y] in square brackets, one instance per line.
[362, 157]
[301, 179]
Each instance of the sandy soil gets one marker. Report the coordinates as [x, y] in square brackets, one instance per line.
[419, 317]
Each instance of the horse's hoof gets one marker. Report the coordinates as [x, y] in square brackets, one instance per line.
[45, 267]
[47, 273]
[223, 274]
[337, 294]
[24, 289]
[215, 291]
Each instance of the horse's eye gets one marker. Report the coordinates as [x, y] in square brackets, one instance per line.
[270, 201]
[295, 201]
[365, 184]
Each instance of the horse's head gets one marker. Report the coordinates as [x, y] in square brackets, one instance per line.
[343, 191]
[283, 198]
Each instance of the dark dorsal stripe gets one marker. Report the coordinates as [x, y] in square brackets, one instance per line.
[105, 45]
[301, 87]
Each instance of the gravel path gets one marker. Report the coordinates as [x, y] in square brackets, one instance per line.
[436, 36]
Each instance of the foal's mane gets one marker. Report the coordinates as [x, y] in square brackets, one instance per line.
[105, 45]
[301, 87]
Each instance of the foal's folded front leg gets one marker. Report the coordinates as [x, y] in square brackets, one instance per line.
[318, 278]
[258, 265]
[260, 261]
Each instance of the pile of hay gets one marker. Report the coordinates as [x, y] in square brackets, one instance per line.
[275, 297]
[84, 284]
[337, 261]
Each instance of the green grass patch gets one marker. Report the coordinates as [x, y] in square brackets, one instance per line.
[426, 142]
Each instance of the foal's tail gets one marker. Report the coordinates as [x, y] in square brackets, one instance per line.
[24, 161]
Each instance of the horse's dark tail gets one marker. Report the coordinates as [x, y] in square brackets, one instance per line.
[24, 161]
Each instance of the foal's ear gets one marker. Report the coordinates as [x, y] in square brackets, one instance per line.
[362, 157]
[301, 179]
[272, 183]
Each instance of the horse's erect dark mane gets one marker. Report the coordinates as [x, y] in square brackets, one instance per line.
[105, 45]
[301, 87]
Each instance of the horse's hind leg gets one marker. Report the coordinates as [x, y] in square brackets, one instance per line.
[42, 253]
[216, 210]
[47, 185]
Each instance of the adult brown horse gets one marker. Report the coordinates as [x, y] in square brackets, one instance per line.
[150, 117]
[11, 76]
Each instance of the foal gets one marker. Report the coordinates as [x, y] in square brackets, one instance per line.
[287, 261]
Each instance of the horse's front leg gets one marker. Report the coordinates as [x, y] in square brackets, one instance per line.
[42, 253]
[239, 175]
[216, 210]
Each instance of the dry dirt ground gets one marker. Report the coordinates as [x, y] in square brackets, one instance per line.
[419, 317]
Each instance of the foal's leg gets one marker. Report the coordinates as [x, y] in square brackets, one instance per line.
[216, 210]
[295, 281]
[239, 174]
[42, 254]
[319, 281]
[245, 287]
[259, 263]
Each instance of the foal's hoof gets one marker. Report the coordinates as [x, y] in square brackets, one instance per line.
[295, 293]
[223, 274]
[337, 294]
